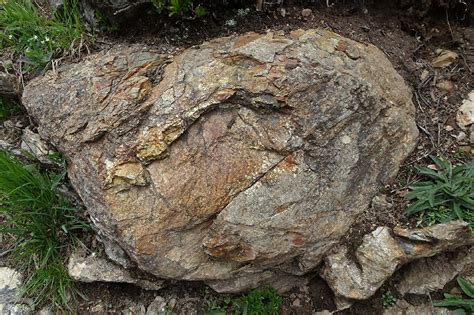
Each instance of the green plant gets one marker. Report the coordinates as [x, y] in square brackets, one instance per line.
[8, 108]
[447, 195]
[35, 38]
[462, 305]
[388, 299]
[259, 302]
[44, 226]
[179, 7]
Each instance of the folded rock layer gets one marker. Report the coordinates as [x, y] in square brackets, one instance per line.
[239, 161]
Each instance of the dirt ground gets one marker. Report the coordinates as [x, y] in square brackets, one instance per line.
[409, 42]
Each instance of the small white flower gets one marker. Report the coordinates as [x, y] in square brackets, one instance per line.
[46, 39]
[42, 42]
[231, 23]
[10, 36]
[35, 37]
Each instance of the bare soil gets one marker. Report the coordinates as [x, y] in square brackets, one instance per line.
[410, 43]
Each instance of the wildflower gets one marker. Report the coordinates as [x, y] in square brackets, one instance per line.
[231, 23]
[46, 39]
[10, 36]
[35, 37]
[42, 42]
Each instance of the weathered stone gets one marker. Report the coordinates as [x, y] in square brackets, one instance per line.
[383, 251]
[157, 307]
[465, 114]
[32, 143]
[431, 274]
[405, 308]
[10, 282]
[444, 59]
[93, 268]
[242, 157]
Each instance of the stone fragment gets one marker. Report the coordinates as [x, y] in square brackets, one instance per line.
[465, 114]
[381, 203]
[446, 85]
[32, 143]
[306, 12]
[405, 308]
[431, 274]
[93, 268]
[383, 251]
[157, 307]
[240, 161]
[10, 282]
[444, 59]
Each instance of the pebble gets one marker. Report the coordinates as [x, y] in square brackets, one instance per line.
[306, 12]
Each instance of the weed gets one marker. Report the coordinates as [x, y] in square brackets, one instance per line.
[179, 7]
[447, 195]
[8, 108]
[44, 225]
[388, 299]
[462, 305]
[35, 38]
[259, 302]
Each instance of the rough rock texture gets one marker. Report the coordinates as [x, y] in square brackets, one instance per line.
[97, 12]
[383, 251]
[92, 268]
[431, 274]
[10, 281]
[243, 160]
[405, 308]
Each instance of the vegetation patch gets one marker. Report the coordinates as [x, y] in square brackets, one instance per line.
[447, 194]
[462, 304]
[35, 38]
[44, 226]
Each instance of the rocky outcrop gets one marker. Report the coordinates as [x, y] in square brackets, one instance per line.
[240, 161]
[383, 251]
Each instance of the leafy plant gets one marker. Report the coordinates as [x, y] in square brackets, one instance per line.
[35, 38]
[447, 195]
[179, 7]
[259, 302]
[462, 305]
[388, 299]
[44, 226]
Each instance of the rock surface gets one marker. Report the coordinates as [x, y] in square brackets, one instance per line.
[431, 274]
[92, 268]
[239, 162]
[383, 251]
[465, 114]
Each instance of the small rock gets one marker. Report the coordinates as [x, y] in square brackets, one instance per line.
[324, 312]
[383, 251]
[32, 143]
[157, 307]
[471, 136]
[306, 12]
[380, 203]
[461, 137]
[10, 281]
[424, 75]
[45, 311]
[431, 274]
[408, 309]
[446, 85]
[96, 269]
[448, 128]
[444, 59]
[465, 114]
[282, 12]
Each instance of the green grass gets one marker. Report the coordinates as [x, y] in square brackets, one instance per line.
[8, 108]
[257, 302]
[447, 194]
[462, 305]
[44, 226]
[35, 38]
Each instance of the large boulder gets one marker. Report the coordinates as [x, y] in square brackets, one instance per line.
[241, 161]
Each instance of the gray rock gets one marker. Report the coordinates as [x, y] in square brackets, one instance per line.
[239, 162]
[99, 12]
[405, 308]
[157, 307]
[32, 143]
[383, 251]
[431, 274]
[93, 268]
[10, 282]
[380, 203]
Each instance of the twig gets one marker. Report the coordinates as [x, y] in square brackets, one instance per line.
[449, 24]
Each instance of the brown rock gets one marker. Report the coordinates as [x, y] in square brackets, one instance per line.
[239, 162]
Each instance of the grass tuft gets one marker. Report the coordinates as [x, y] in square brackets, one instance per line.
[35, 38]
[44, 226]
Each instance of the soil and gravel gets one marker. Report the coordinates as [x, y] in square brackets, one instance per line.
[410, 43]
